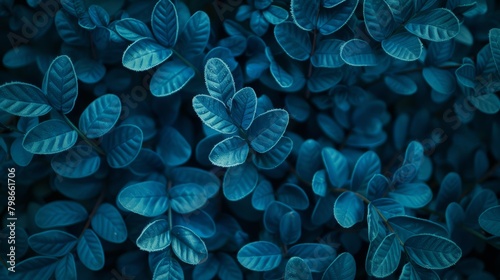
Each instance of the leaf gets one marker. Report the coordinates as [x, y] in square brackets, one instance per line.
[273, 213]
[336, 166]
[294, 41]
[407, 226]
[18, 154]
[440, 80]
[219, 80]
[239, 181]
[494, 36]
[108, 224]
[18, 57]
[487, 103]
[98, 15]
[440, 52]
[214, 114]
[89, 71]
[61, 84]
[145, 54]
[356, 52]
[386, 257]
[388, 207]
[155, 236]
[401, 9]
[164, 22]
[173, 148]
[276, 156]
[122, 145]
[308, 159]
[327, 54]
[230, 152]
[297, 269]
[414, 154]
[168, 269]
[449, 191]
[480, 203]
[243, 108]
[263, 195]
[275, 14]
[187, 246]
[319, 183]
[324, 79]
[267, 129]
[78, 162]
[90, 251]
[412, 195]
[410, 272]
[379, 20]
[147, 198]
[170, 77]
[194, 38]
[186, 198]
[50, 137]
[36, 268]
[66, 268]
[23, 100]
[259, 256]
[199, 221]
[489, 220]
[208, 269]
[54, 243]
[317, 256]
[100, 116]
[366, 167]
[132, 29]
[293, 196]
[403, 46]
[401, 84]
[304, 13]
[331, 20]
[434, 25]
[60, 213]
[348, 209]
[433, 252]
[377, 186]
[290, 228]
[342, 268]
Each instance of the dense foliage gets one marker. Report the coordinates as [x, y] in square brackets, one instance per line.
[302, 139]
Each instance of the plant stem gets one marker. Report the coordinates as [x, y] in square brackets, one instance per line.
[187, 62]
[169, 186]
[83, 136]
[94, 210]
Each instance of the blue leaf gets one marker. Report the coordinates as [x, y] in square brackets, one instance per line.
[317, 256]
[297, 108]
[208, 180]
[297, 269]
[54, 243]
[434, 252]
[89, 71]
[61, 85]
[60, 213]
[342, 268]
[366, 167]
[219, 80]
[357, 52]
[375, 226]
[90, 251]
[122, 145]
[449, 191]
[349, 209]
[173, 148]
[66, 268]
[309, 159]
[336, 166]
[403, 46]
[214, 114]
[155, 236]
[243, 108]
[410, 272]
[290, 228]
[198, 221]
[379, 20]
[187, 246]
[108, 224]
[386, 257]
[331, 20]
[236, 44]
[23, 100]
[230, 152]
[480, 203]
[99, 15]
[259, 256]
[494, 36]
[208, 269]
[164, 22]
[481, 164]
[170, 77]
[304, 13]
[18, 57]
[147, 198]
[332, 3]
[275, 14]
[414, 154]
[440, 52]
[229, 268]
[35, 268]
[276, 156]
[186, 198]
[273, 214]
[132, 29]
[100, 116]
[194, 38]
[401, 84]
[327, 54]
[405, 174]
[388, 207]
[486, 103]
[455, 216]
[50, 137]
[263, 195]
[18, 154]
[293, 196]
[440, 80]
[489, 220]
[258, 23]
[324, 79]
[319, 183]
[407, 226]
[412, 195]
[168, 269]
[146, 163]
[267, 129]
[435, 25]
[239, 181]
[145, 54]
[401, 9]
[294, 41]
[78, 162]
